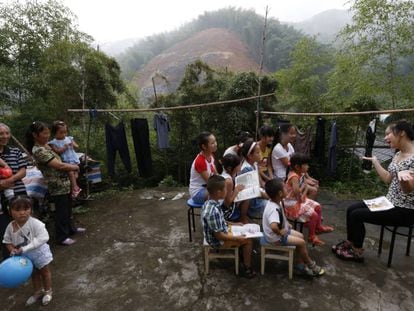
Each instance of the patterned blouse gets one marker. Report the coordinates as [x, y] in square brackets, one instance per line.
[58, 182]
[395, 194]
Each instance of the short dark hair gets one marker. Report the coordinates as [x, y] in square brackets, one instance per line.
[242, 136]
[299, 159]
[202, 139]
[266, 131]
[273, 187]
[215, 183]
[56, 125]
[230, 162]
[23, 202]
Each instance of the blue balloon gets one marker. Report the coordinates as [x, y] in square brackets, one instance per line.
[14, 271]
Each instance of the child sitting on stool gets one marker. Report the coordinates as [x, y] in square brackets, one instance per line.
[215, 228]
[278, 231]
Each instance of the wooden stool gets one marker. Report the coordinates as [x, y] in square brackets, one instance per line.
[278, 252]
[228, 252]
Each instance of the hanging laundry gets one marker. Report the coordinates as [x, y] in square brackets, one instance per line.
[116, 141]
[319, 149]
[162, 126]
[333, 141]
[140, 136]
[303, 141]
[370, 140]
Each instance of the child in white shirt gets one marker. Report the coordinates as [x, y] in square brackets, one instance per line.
[28, 236]
[278, 231]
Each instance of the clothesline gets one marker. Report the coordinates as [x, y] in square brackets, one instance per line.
[353, 113]
[177, 107]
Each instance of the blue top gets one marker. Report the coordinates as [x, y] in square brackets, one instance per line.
[69, 155]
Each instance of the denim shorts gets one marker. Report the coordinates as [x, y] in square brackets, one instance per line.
[40, 256]
[284, 239]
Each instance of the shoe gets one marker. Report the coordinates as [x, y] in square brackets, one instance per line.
[68, 241]
[33, 299]
[315, 241]
[80, 230]
[349, 254]
[315, 269]
[341, 245]
[249, 273]
[324, 229]
[47, 297]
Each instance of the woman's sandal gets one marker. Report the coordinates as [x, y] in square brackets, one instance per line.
[341, 245]
[349, 254]
[315, 241]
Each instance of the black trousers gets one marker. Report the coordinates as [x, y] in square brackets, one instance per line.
[116, 141]
[63, 217]
[140, 135]
[358, 214]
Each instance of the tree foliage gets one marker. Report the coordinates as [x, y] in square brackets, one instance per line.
[380, 37]
[48, 65]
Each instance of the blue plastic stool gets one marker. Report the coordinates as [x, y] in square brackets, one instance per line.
[190, 215]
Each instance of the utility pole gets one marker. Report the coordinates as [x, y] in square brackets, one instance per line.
[259, 91]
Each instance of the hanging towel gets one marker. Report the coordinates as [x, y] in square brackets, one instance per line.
[333, 141]
[303, 141]
[319, 150]
[370, 140]
[116, 141]
[140, 135]
[162, 126]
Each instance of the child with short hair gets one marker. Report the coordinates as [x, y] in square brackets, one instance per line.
[231, 167]
[277, 230]
[64, 146]
[216, 230]
[28, 236]
[298, 205]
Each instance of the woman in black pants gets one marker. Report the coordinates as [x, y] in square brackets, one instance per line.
[399, 136]
[55, 173]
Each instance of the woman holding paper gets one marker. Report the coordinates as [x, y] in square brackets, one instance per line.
[399, 136]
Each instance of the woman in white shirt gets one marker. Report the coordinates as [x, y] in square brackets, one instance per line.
[283, 149]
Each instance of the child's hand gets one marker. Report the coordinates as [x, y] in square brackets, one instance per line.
[283, 232]
[241, 238]
[239, 188]
[16, 251]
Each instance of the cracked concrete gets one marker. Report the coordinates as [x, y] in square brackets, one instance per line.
[136, 256]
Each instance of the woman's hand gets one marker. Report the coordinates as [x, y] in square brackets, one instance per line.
[372, 159]
[6, 183]
[406, 175]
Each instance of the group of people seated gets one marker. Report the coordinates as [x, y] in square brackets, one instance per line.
[288, 193]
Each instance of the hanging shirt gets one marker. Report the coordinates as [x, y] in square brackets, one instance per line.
[162, 126]
[303, 141]
[332, 163]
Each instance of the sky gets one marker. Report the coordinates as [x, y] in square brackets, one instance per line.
[111, 20]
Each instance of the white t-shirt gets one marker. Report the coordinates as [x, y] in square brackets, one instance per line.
[31, 235]
[279, 152]
[272, 214]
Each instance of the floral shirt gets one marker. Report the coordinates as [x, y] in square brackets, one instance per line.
[58, 182]
[395, 194]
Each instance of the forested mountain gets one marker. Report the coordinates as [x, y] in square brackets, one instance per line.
[325, 25]
[246, 23]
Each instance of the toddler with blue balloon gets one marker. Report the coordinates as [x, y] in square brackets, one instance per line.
[28, 236]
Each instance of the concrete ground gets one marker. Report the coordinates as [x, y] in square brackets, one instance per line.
[136, 256]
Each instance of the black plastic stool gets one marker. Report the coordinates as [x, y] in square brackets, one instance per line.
[394, 232]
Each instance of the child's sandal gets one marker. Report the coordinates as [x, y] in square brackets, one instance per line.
[249, 273]
[35, 298]
[324, 229]
[47, 297]
[315, 241]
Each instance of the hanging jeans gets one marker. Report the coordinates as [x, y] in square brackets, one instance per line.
[319, 150]
[140, 135]
[370, 138]
[116, 141]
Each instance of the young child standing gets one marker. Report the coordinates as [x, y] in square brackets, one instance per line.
[216, 231]
[28, 236]
[298, 205]
[278, 231]
[64, 146]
